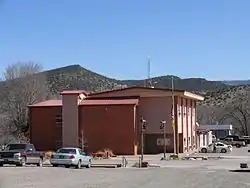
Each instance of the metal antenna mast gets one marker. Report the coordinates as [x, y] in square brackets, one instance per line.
[149, 84]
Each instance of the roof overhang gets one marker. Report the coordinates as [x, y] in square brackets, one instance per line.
[193, 96]
[145, 92]
[104, 102]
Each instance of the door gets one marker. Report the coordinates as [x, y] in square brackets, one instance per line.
[219, 147]
[31, 155]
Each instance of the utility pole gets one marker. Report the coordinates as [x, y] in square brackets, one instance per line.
[173, 115]
[143, 127]
[163, 127]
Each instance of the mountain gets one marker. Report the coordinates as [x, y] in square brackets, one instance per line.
[189, 84]
[217, 94]
[236, 82]
[75, 77]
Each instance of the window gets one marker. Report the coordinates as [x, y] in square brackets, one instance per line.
[219, 144]
[59, 119]
[193, 113]
[66, 151]
[82, 153]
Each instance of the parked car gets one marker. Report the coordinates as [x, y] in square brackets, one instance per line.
[20, 155]
[237, 138]
[230, 141]
[247, 139]
[68, 157]
[218, 146]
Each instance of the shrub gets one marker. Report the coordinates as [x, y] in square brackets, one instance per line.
[48, 154]
[174, 157]
[104, 154]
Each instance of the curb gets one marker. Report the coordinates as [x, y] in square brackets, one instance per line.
[240, 170]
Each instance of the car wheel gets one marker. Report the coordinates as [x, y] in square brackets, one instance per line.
[238, 145]
[1, 164]
[40, 162]
[89, 164]
[54, 165]
[223, 150]
[22, 162]
[67, 166]
[204, 150]
[79, 165]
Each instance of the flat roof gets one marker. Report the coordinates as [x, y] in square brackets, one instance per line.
[51, 103]
[109, 102]
[135, 87]
[176, 92]
[74, 92]
[216, 127]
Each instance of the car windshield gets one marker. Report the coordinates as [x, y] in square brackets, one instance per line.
[67, 151]
[15, 147]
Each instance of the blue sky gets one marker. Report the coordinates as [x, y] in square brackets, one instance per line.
[194, 38]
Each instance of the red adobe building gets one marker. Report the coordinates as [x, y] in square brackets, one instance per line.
[111, 119]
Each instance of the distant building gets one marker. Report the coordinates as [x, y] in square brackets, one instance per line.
[218, 130]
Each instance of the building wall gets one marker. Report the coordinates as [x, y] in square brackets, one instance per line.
[184, 116]
[108, 126]
[154, 110]
[45, 133]
[193, 117]
[70, 120]
[179, 115]
[189, 124]
[187, 109]
[154, 143]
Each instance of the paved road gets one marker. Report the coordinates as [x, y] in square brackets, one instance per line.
[179, 174]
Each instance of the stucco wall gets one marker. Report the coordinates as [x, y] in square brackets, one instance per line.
[70, 121]
[189, 124]
[44, 131]
[193, 121]
[154, 110]
[185, 130]
[108, 126]
[179, 115]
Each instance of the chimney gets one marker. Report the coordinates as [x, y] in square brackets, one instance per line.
[70, 124]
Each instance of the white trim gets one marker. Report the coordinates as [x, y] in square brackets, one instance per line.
[193, 96]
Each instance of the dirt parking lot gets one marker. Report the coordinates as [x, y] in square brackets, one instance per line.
[179, 174]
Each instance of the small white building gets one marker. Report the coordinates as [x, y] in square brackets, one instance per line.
[204, 136]
[218, 130]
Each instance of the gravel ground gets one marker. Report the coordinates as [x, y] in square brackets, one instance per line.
[179, 174]
[123, 178]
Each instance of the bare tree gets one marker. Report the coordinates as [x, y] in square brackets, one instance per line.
[27, 86]
[82, 140]
[208, 114]
[21, 69]
[238, 112]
